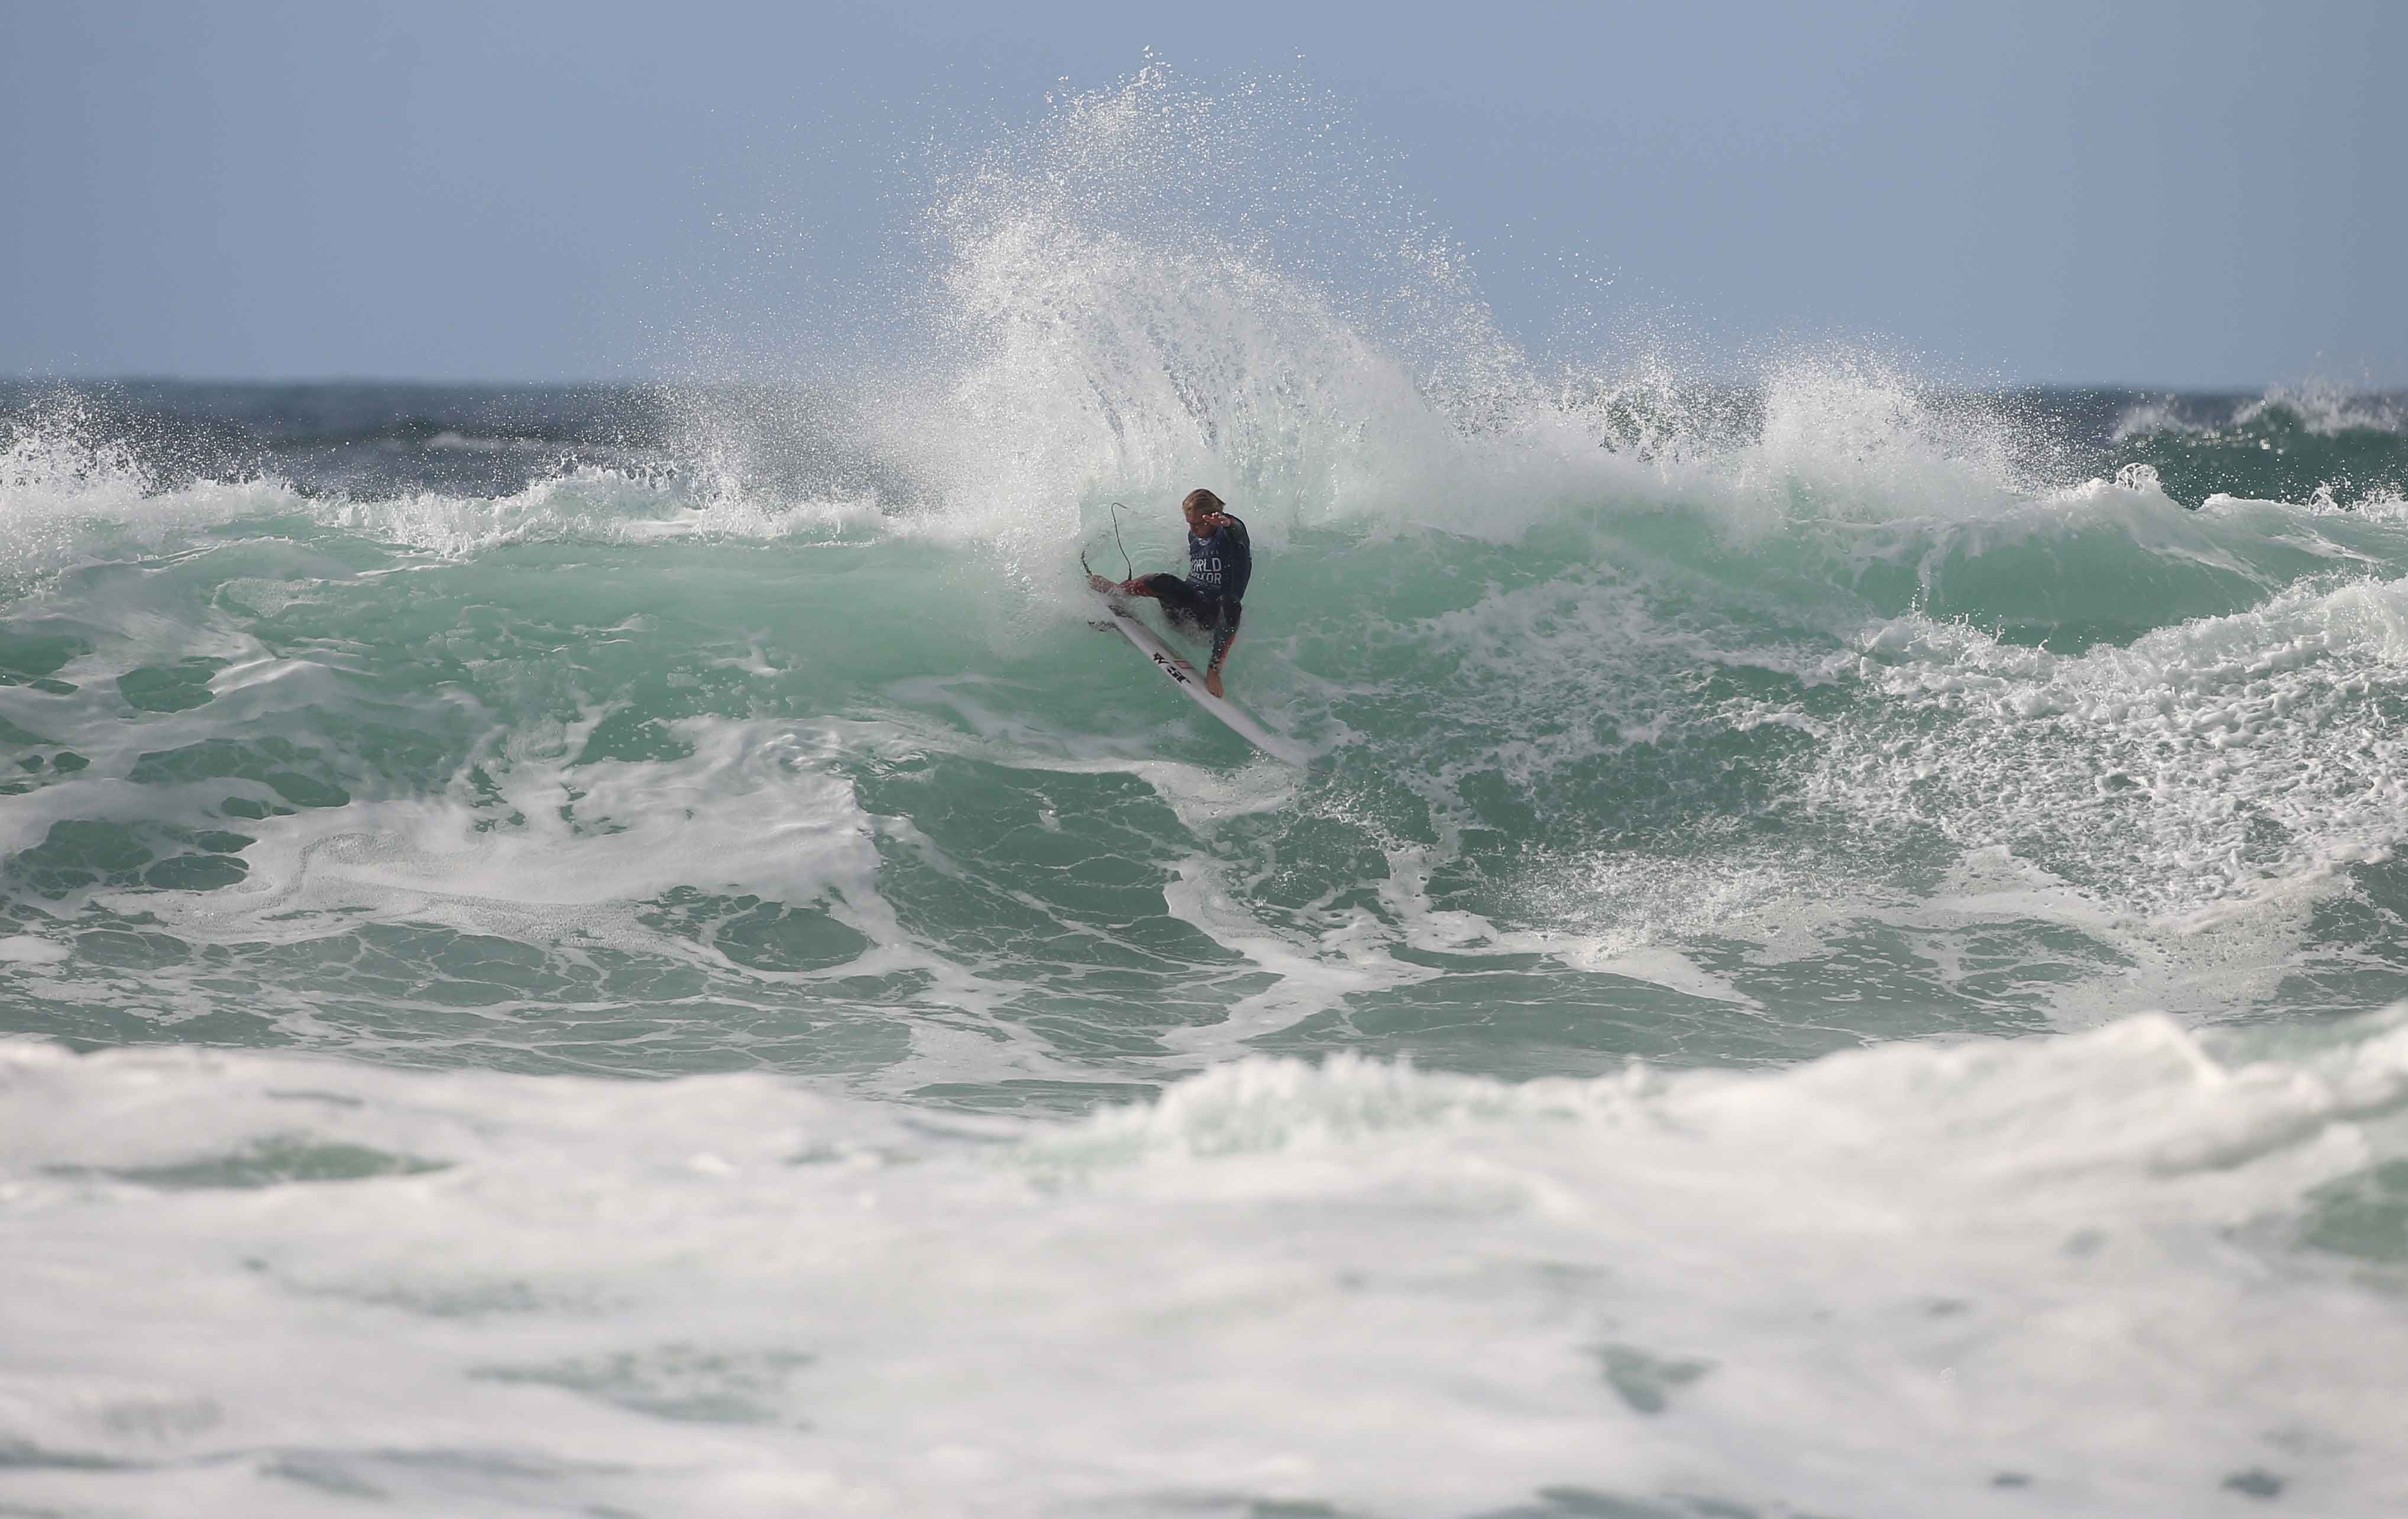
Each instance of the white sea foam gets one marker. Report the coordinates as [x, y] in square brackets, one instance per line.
[2062, 1275]
[69, 494]
[596, 504]
[2213, 762]
[752, 810]
[2322, 407]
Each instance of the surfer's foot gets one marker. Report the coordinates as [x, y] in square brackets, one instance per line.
[1212, 681]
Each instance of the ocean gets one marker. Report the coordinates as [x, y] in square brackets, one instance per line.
[629, 951]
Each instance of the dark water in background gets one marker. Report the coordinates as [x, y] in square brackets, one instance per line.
[372, 437]
[629, 951]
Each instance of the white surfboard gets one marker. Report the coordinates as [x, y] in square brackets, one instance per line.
[1187, 677]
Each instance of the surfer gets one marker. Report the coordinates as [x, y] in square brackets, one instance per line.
[1209, 599]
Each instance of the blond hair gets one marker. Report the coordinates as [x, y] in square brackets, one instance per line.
[1202, 499]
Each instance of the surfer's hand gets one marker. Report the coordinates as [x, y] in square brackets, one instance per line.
[1097, 582]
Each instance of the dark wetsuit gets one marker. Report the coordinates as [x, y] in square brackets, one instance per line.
[1212, 597]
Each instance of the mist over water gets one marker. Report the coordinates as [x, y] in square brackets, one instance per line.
[638, 954]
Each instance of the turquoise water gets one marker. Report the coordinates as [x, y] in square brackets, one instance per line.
[632, 952]
[1731, 762]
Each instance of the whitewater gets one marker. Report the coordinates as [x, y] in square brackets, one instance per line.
[630, 950]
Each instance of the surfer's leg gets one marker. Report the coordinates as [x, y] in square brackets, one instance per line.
[1225, 629]
[1180, 602]
[1225, 633]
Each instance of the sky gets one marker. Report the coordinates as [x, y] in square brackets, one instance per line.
[2199, 194]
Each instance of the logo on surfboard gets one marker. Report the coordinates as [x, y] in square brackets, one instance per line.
[1170, 669]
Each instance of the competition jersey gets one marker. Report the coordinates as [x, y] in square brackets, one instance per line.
[1220, 564]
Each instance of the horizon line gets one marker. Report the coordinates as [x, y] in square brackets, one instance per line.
[422, 382]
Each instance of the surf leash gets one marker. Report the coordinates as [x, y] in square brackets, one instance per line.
[1117, 508]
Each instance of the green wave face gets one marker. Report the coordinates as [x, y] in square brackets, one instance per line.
[1739, 749]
